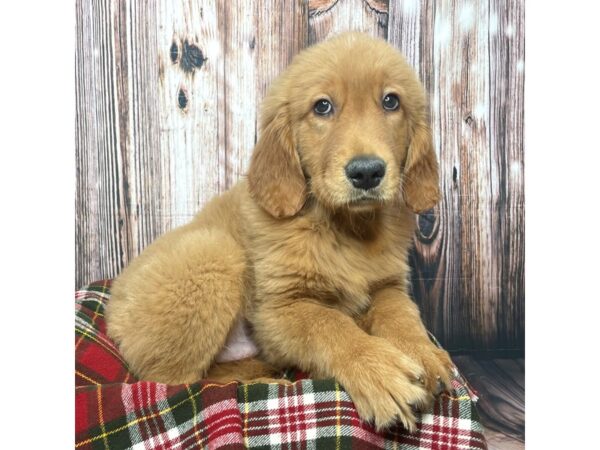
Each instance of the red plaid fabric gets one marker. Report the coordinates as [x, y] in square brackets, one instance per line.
[116, 411]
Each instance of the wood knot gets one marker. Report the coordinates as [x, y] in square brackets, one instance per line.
[182, 99]
[192, 57]
[469, 119]
[428, 225]
[174, 52]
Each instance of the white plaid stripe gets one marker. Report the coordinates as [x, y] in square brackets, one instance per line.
[135, 434]
[91, 295]
[143, 394]
[165, 421]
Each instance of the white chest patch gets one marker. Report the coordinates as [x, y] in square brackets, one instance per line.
[239, 344]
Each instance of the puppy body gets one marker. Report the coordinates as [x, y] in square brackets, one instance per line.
[317, 266]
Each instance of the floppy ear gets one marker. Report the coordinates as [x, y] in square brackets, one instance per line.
[275, 178]
[421, 180]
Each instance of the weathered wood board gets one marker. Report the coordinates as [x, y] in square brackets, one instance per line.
[167, 99]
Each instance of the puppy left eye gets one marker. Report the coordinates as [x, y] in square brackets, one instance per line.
[390, 102]
[323, 107]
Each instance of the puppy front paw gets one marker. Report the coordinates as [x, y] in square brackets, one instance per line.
[435, 361]
[384, 385]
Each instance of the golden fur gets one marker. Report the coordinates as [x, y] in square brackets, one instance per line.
[318, 269]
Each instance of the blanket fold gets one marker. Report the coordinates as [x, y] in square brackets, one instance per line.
[114, 410]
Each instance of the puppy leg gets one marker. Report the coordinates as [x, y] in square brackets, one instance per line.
[395, 317]
[172, 308]
[325, 342]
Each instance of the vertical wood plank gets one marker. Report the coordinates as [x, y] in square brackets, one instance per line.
[148, 175]
[191, 95]
[142, 178]
[259, 44]
[479, 278]
[507, 54]
[84, 202]
[281, 34]
[407, 24]
[435, 260]
[239, 93]
[102, 250]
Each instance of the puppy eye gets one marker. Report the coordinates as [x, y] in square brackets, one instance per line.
[390, 102]
[323, 107]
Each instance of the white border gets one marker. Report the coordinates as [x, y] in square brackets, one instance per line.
[37, 185]
[562, 135]
[37, 177]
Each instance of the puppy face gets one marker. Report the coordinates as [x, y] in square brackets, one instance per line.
[347, 123]
[350, 128]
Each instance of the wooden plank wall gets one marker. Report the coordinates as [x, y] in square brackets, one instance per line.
[167, 98]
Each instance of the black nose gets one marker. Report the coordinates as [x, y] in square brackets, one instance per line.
[365, 172]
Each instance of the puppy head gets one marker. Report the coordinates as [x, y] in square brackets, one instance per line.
[347, 123]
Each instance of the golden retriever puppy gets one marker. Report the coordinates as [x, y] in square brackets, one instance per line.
[310, 250]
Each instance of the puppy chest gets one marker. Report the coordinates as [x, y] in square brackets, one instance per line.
[338, 273]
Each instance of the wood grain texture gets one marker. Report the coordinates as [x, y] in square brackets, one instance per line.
[190, 96]
[329, 18]
[167, 103]
[500, 383]
[100, 247]
[507, 64]
[143, 174]
[468, 258]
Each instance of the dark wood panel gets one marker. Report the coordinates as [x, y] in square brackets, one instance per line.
[468, 258]
[507, 63]
[500, 383]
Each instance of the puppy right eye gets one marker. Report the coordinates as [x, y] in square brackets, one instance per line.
[323, 107]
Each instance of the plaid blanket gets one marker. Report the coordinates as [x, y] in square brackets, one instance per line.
[116, 411]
